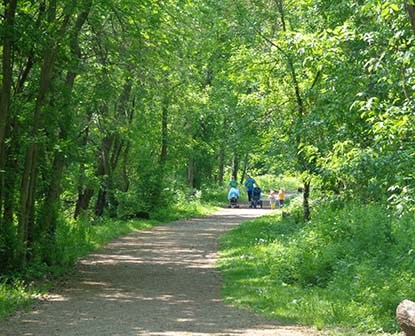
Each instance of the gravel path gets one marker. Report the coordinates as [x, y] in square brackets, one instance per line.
[158, 282]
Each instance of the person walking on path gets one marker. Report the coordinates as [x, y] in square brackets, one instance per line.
[249, 185]
[233, 183]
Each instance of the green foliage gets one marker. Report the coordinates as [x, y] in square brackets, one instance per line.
[148, 103]
[287, 182]
[13, 296]
[349, 267]
[77, 238]
[215, 194]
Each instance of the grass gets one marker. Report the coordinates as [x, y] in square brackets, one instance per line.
[14, 296]
[345, 271]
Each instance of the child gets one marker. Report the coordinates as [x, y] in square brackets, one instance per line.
[281, 197]
[272, 198]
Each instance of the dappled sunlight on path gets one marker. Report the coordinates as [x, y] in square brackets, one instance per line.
[154, 282]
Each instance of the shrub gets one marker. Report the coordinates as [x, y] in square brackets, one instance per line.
[288, 182]
[350, 266]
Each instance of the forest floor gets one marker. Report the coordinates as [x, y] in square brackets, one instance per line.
[161, 282]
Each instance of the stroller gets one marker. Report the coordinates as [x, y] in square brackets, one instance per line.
[233, 196]
[256, 198]
[233, 203]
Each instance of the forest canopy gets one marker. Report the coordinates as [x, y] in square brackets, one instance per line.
[107, 105]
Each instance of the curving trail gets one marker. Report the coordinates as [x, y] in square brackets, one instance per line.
[160, 282]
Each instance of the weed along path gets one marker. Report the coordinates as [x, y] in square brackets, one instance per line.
[158, 282]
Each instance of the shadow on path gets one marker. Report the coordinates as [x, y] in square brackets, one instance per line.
[155, 282]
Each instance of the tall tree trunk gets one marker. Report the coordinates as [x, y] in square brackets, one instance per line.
[302, 162]
[7, 78]
[28, 184]
[51, 203]
[306, 203]
[7, 190]
[235, 166]
[164, 132]
[8, 230]
[114, 160]
[9, 165]
[111, 150]
[103, 173]
[410, 7]
[125, 156]
[85, 192]
[124, 169]
[244, 169]
[84, 198]
[191, 173]
[49, 214]
[7, 60]
[221, 164]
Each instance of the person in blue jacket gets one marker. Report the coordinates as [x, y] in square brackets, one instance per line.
[249, 185]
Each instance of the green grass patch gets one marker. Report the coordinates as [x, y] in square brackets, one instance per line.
[347, 269]
[13, 296]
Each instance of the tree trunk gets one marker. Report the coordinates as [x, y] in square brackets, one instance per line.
[85, 193]
[111, 198]
[164, 134]
[7, 227]
[84, 198]
[51, 203]
[300, 117]
[410, 7]
[24, 207]
[244, 170]
[221, 172]
[50, 211]
[235, 166]
[124, 172]
[191, 173]
[101, 199]
[9, 165]
[103, 173]
[7, 60]
[7, 78]
[306, 203]
[28, 184]
[110, 153]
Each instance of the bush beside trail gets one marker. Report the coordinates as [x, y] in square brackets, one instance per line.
[349, 267]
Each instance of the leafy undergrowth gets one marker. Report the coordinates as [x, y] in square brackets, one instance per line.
[14, 296]
[347, 269]
[75, 240]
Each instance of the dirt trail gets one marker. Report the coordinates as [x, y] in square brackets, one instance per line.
[157, 282]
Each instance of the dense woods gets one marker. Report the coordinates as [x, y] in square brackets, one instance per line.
[112, 108]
